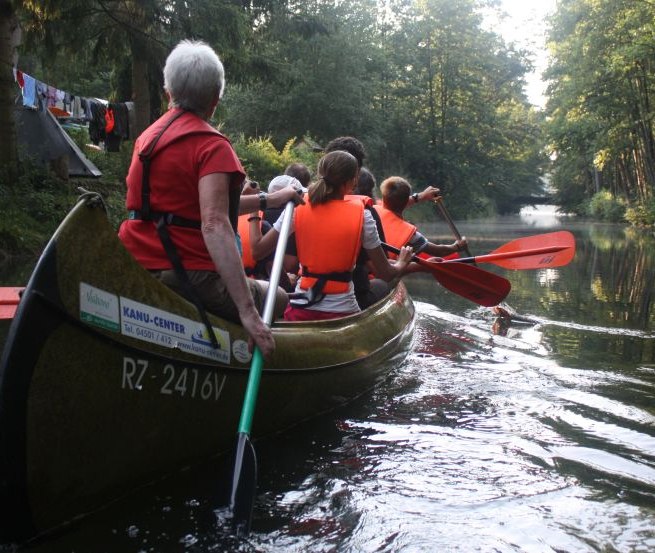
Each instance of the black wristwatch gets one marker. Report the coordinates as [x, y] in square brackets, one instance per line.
[415, 197]
[263, 200]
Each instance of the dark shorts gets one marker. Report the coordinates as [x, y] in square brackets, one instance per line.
[214, 295]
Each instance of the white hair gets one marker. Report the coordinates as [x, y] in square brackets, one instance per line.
[194, 76]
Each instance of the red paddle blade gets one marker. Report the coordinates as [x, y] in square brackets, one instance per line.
[9, 298]
[470, 282]
[554, 249]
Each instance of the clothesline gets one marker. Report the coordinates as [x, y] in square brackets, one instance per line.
[109, 122]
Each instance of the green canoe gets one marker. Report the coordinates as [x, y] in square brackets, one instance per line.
[108, 380]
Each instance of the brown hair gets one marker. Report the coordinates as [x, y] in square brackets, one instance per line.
[334, 170]
[348, 144]
[299, 171]
[395, 193]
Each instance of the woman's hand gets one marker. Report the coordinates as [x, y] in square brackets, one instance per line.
[260, 334]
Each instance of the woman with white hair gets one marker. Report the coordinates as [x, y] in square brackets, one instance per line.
[183, 198]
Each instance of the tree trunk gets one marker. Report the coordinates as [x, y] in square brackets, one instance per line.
[140, 84]
[140, 94]
[9, 40]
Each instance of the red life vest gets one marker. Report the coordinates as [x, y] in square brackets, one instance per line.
[184, 138]
[397, 231]
[329, 237]
[243, 229]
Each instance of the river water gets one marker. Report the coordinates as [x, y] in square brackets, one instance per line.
[536, 437]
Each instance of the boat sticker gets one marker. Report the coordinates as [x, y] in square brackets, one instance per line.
[153, 325]
[99, 308]
[240, 351]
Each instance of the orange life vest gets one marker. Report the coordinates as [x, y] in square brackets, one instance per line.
[366, 200]
[243, 228]
[397, 231]
[328, 238]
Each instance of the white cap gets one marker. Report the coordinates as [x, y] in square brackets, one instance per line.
[278, 183]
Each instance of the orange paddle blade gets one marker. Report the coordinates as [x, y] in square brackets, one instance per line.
[554, 249]
[470, 282]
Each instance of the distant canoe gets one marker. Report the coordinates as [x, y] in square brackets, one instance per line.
[108, 380]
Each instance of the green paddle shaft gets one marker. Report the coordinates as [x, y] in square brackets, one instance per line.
[250, 399]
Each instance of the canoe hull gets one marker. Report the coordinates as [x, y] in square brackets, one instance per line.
[106, 383]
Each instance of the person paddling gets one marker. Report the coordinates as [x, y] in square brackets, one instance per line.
[396, 197]
[330, 229]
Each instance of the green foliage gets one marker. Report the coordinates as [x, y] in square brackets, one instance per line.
[641, 214]
[111, 185]
[114, 165]
[32, 206]
[263, 161]
[432, 94]
[604, 206]
[602, 84]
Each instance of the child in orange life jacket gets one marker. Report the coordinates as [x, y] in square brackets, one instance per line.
[258, 268]
[396, 196]
[329, 233]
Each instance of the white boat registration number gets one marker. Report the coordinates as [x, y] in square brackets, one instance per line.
[137, 374]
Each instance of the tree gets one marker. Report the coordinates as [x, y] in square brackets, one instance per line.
[600, 109]
[9, 41]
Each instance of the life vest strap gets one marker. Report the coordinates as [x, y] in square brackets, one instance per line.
[315, 293]
[168, 218]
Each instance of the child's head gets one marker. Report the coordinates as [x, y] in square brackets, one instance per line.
[299, 171]
[335, 172]
[395, 193]
[348, 144]
[365, 183]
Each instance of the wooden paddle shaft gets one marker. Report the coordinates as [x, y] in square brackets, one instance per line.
[451, 223]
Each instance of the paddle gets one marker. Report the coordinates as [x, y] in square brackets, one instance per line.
[244, 477]
[439, 202]
[472, 283]
[554, 249]
[9, 298]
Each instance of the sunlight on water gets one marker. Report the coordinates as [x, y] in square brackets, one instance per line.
[541, 216]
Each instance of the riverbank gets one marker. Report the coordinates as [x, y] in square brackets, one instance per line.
[33, 209]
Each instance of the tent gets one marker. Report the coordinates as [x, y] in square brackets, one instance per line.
[41, 137]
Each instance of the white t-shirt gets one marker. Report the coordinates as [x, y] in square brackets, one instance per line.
[345, 302]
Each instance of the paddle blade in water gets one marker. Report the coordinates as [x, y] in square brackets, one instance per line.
[470, 282]
[244, 485]
[479, 286]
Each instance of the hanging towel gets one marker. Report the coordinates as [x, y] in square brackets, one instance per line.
[29, 91]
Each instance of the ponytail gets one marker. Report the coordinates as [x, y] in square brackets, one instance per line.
[334, 170]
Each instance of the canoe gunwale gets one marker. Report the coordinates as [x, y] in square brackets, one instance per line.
[286, 325]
